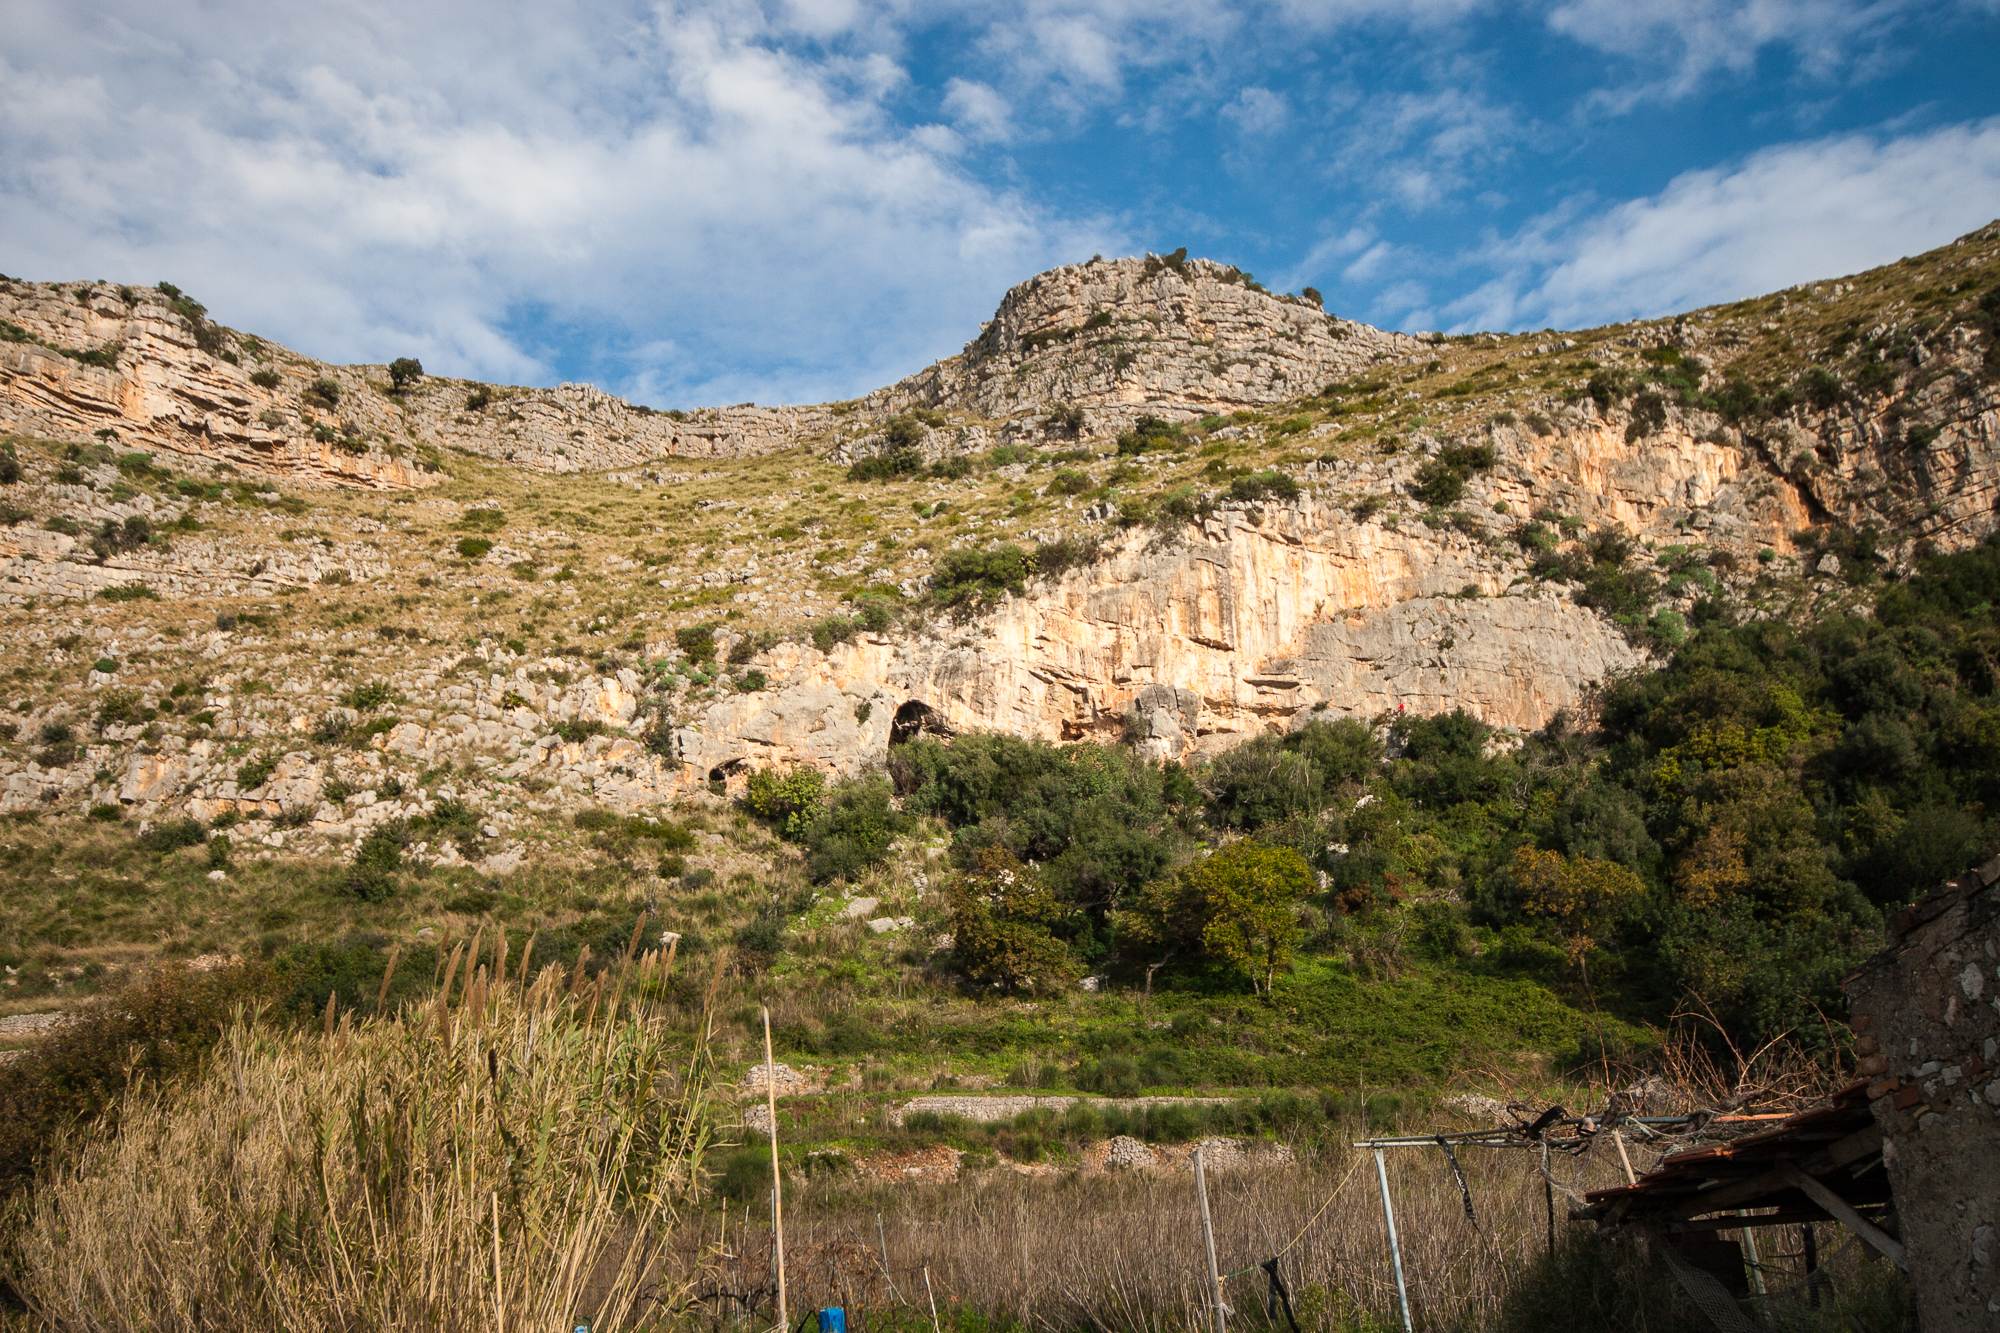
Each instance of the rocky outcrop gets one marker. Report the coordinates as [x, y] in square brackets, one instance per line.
[86, 362]
[1188, 336]
[146, 370]
[1262, 618]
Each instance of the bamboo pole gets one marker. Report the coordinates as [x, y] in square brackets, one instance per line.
[935, 1326]
[777, 1181]
[1208, 1242]
[1395, 1250]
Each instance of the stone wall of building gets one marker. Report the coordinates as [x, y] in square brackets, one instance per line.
[1927, 1025]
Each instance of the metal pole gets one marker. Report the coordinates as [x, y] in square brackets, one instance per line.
[1395, 1250]
[777, 1180]
[1208, 1240]
[1749, 1239]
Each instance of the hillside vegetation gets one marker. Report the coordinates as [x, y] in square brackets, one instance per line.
[311, 791]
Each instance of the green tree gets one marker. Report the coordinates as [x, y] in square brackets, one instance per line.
[405, 371]
[1003, 920]
[1252, 895]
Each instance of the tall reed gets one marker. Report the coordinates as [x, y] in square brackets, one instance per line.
[516, 1159]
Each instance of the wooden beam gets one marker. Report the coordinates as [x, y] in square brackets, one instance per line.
[1782, 1218]
[1737, 1195]
[1889, 1247]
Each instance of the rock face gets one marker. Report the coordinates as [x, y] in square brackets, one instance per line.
[1264, 617]
[81, 360]
[1186, 335]
[154, 386]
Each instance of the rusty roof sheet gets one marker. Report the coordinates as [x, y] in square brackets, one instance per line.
[1836, 1142]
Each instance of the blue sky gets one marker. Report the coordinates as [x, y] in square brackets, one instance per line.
[721, 201]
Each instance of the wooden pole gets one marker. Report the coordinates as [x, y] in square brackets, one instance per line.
[1618, 1137]
[1812, 1264]
[1886, 1245]
[935, 1326]
[1208, 1242]
[1549, 1191]
[777, 1181]
[1395, 1250]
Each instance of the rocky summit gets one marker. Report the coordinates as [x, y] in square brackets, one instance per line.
[1150, 502]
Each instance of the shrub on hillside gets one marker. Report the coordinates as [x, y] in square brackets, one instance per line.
[158, 1029]
[965, 580]
[852, 831]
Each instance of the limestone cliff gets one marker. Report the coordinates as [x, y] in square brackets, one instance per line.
[147, 370]
[1177, 334]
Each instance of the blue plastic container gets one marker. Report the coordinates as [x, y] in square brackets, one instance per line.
[833, 1321]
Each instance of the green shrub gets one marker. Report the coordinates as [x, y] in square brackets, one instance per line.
[405, 371]
[968, 579]
[697, 642]
[254, 773]
[1004, 922]
[265, 379]
[833, 630]
[852, 831]
[579, 729]
[372, 877]
[1609, 387]
[170, 835]
[1052, 559]
[1260, 486]
[483, 520]
[129, 592]
[792, 800]
[1649, 416]
[323, 392]
[1148, 434]
[891, 466]
[366, 698]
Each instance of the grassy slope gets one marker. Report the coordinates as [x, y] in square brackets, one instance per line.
[82, 899]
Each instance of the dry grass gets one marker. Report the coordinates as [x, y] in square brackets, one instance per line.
[513, 1159]
[1123, 1252]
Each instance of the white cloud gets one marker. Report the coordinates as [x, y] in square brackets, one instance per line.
[1257, 111]
[726, 220]
[1786, 215]
[1693, 38]
[981, 112]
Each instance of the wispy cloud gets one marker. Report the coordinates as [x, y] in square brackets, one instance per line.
[1783, 216]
